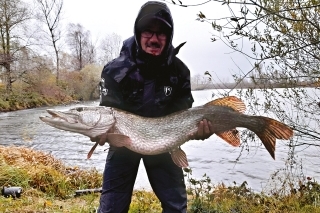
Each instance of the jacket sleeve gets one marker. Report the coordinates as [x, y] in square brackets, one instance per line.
[110, 93]
[185, 98]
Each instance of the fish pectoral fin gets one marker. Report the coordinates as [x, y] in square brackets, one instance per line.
[231, 137]
[118, 140]
[91, 150]
[179, 157]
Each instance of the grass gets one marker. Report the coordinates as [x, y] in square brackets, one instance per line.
[49, 186]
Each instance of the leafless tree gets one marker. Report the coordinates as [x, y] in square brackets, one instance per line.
[82, 48]
[13, 15]
[110, 48]
[49, 13]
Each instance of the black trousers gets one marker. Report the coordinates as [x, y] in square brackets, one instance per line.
[166, 180]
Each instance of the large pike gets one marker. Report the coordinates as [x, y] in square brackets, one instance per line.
[151, 136]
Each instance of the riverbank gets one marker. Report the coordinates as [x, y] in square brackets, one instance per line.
[24, 100]
[18, 100]
[29, 101]
[49, 186]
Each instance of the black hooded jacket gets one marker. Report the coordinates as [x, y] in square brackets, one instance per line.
[147, 85]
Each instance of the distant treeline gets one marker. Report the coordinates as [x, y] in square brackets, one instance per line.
[246, 85]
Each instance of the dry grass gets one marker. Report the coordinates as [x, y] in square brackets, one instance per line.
[26, 157]
[49, 186]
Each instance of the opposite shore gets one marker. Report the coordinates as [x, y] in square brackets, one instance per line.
[18, 100]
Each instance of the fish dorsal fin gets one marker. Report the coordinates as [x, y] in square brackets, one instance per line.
[179, 157]
[231, 137]
[230, 101]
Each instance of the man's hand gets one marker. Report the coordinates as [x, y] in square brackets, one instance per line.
[205, 130]
[102, 139]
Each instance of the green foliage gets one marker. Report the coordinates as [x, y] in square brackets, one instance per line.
[207, 197]
[12, 175]
[309, 192]
[24, 100]
[4, 105]
[144, 201]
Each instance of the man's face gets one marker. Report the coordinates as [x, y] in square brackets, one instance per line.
[153, 39]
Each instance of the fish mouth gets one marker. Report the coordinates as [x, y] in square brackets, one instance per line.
[58, 116]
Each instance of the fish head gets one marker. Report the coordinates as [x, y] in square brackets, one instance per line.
[89, 121]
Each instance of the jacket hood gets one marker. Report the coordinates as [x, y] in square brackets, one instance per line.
[149, 11]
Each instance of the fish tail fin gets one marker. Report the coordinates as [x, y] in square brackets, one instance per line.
[271, 131]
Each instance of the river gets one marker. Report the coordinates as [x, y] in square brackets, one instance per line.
[212, 157]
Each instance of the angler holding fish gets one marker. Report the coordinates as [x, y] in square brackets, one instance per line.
[145, 113]
[147, 79]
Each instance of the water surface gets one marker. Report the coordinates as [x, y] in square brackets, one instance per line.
[212, 157]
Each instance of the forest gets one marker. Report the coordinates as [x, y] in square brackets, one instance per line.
[43, 62]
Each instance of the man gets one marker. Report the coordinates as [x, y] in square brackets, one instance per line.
[149, 80]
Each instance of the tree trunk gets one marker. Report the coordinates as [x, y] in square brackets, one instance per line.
[8, 77]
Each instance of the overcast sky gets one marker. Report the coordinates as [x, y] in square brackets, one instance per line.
[103, 17]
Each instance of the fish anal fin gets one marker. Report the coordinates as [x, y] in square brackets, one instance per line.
[231, 137]
[118, 140]
[230, 101]
[179, 157]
